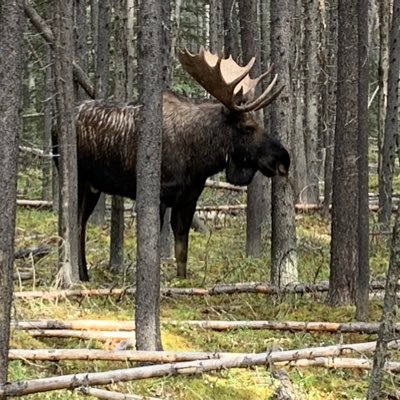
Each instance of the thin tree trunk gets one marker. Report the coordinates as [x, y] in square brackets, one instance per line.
[363, 201]
[389, 310]
[11, 70]
[120, 81]
[283, 246]
[102, 77]
[331, 85]
[216, 26]
[391, 124]
[147, 315]
[231, 43]
[345, 204]
[68, 217]
[256, 198]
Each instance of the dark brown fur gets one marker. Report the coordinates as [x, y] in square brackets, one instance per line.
[199, 140]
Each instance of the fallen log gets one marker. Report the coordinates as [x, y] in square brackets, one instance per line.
[339, 362]
[102, 325]
[73, 381]
[332, 327]
[109, 395]
[234, 288]
[114, 355]
[91, 335]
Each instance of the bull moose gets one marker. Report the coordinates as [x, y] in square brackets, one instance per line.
[200, 139]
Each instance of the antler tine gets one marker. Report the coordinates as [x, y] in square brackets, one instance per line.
[249, 85]
[263, 100]
[218, 76]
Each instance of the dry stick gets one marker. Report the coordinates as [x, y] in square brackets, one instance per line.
[40, 25]
[195, 367]
[93, 325]
[223, 185]
[22, 275]
[237, 288]
[109, 395]
[45, 204]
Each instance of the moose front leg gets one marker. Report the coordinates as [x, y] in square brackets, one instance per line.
[181, 219]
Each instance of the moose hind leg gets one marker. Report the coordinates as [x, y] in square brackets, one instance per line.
[87, 200]
[181, 219]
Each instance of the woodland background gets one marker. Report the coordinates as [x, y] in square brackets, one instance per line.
[340, 64]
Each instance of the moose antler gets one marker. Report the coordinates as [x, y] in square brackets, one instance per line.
[227, 81]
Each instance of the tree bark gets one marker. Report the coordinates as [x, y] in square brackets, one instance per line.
[231, 42]
[216, 26]
[283, 246]
[345, 204]
[148, 181]
[68, 213]
[11, 70]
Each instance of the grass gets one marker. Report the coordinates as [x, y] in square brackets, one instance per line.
[218, 257]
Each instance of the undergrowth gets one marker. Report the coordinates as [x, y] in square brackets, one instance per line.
[213, 258]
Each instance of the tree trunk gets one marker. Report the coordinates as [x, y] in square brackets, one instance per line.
[389, 310]
[11, 70]
[363, 200]
[216, 26]
[331, 85]
[231, 43]
[148, 335]
[102, 77]
[344, 245]
[311, 99]
[68, 217]
[383, 69]
[283, 246]
[120, 95]
[265, 57]
[256, 197]
[391, 124]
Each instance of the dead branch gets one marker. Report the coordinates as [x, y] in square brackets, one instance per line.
[35, 151]
[224, 185]
[45, 204]
[233, 288]
[102, 325]
[40, 25]
[32, 251]
[22, 275]
[184, 368]
[109, 395]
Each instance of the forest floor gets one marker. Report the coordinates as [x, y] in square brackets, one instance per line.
[214, 258]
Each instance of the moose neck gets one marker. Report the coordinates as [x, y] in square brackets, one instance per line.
[200, 132]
